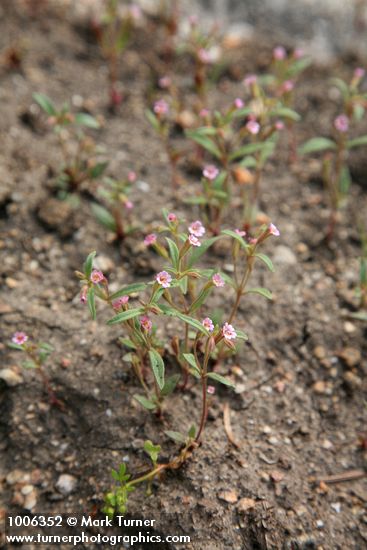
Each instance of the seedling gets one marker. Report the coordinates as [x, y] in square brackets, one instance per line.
[117, 216]
[78, 150]
[335, 171]
[37, 355]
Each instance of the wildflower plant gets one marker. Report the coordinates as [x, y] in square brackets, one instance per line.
[116, 215]
[79, 151]
[336, 149]
[37, 355]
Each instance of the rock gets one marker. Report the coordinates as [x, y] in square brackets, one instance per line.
[319, 352]
[10, 377]
[15, 476]
[58, 216]
[319, 387]
[336, 506]
[104, 263]
[30, 500]
[66, 484]
[11, 283]
[246, 504]
[352, 380]
[26, 489]
[284, 255]
[276, 476]
[228, 496]
[351, 356]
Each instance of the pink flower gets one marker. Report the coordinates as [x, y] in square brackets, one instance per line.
[238, 103]
[146, 323]
[279, 125]
[129, 205]
[193, 20]
[250, 80]
[165, 82]
[204, 56]
[217, 280]
[150, 239]
[161, 107]
[19, 338]
[279, 53]
[204, 113]
[210, 172]
[211, 390]
[273, 230]
[208, 324]
[253, 127]
[298, 53]
[228, 332]
[194, 241]
[83, 295]
[197, 229]
[131, 176]
[97, 276]
[359, 73]
[164, 279]
[253, 240]
[172, 217]
[135, 12]
[117, 304]
[287, 86]
[240, 232]
[341, 123]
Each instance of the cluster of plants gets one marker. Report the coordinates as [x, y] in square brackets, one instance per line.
[230, 149]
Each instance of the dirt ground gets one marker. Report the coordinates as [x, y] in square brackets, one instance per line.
[299, 410]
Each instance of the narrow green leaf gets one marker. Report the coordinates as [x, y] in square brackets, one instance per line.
[234, 235]
[242, 335]
[146, 403]
[246, 150]
[129, 289]
[314, 145]
[83, 119]
[261, 291]
[91, 302]
[357, 142]
[15, 346]
[205, 142]
[192, 432]
[267, 261]
[88, 264]
[285, 112]
[174, 252]
[200, 299]
[198, 251]
[97, 170]
[221, 379]
[170, 384]
[104, 217]
[249, 162]
[342, 86]
[127, 342]
[190, 358]
[345, 181]
[176, 436]
[157, 365]
[153, 120]
[125, 315]
[45, 103]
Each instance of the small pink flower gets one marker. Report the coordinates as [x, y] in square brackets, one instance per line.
[19, 338]
[287, 86]
[146, 323]
[97, 276]
[204, 113]
[228, 332]
[193, 20]
[172, 217]
[150, 239]
[164, 279]
[279, 125]
[273, 230]
[298, 53]
[123, 300]
[83, 295]
[359, 73]
[279, 53]
[250, 80]
[129, 205]
[253, 127]
[217, 280]
[211, 390]
[238, 103]
[197, 229]
[204, 56]
[194, 241]
[253, 240]
[161, 107]
[210, 172]
[165, 82]
[341, 123]
[240, 232]
[135, 12]
[208, 324]
[131, 177]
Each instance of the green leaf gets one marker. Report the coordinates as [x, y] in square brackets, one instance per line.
[314, 145]
[174, 252]
[285, 112]
[357, 142]
[198, 251]
[46, 347]
[192, 432]
[299, 66]
[104, 217]
[97, 170]
[125, 315]
[91, 302]
[45, 103]
[29, 365]
[15, 346]
[190, 358]
[246, 150]
[176, 436]
[170, 384]
[200, 299]
[88, 265]
[221, 379]
[146, 403]
[205, 142]
[168, 310]
[361, 315]
[129, 289]
[342, 86]
[249, 162]
[127, 342]
[235, 235]
[345, 181]
[262, 291]
[157, 365]
[83, 119]
[153, 120]
[152, 450]
[242, 335]
[195, 200]
[267, 261]
[182, 283]
[358, 112]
